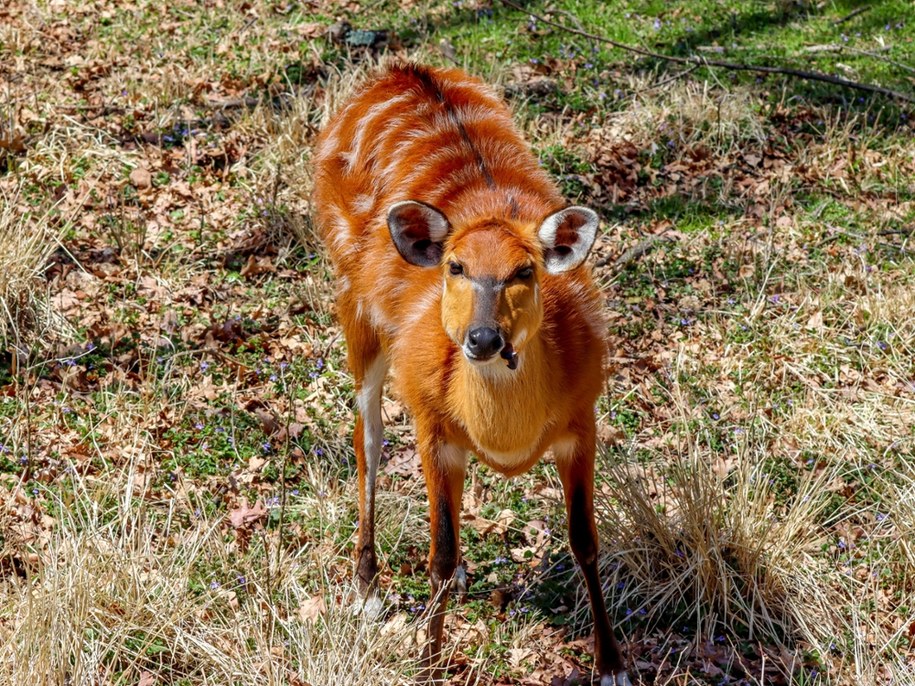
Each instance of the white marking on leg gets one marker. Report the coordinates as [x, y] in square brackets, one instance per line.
[564, 448]
[453, 457]
[371, 608]
[368, 400]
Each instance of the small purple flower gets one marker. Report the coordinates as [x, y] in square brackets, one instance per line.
[657, 24]
[882, 345]
[241, 580]
[214, 585]
[204, 366]
[320, 363]
[198, 426]
[266, 447]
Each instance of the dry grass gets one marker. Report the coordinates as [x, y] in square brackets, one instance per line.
[28, 237]
[125, 586]
[709, 545]
[689, 114]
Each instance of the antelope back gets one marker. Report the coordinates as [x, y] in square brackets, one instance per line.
[443, 139]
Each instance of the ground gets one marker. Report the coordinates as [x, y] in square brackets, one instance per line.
[175, 412]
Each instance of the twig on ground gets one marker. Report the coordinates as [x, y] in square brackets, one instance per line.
[634, 253]
[834, 47]
[840, 233]
[676, 77]
[898, 232]
[851, 15]
[702, 62]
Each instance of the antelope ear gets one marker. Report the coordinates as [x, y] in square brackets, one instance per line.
[418, 231]
[567, 237]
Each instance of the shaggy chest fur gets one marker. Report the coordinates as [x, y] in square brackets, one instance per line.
[504, 412]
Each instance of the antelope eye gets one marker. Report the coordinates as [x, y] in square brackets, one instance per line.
[524, 273]
[455, 269]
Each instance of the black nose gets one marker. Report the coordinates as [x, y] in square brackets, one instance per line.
[484, 342]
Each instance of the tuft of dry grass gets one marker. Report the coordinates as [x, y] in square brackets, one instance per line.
[28, 237]
[689, 114]
[709, 544]
[124, 586]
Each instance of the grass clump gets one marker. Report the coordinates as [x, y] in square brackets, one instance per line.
[28, 237]
[125, 586]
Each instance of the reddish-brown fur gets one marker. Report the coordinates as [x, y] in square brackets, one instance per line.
[444, 139]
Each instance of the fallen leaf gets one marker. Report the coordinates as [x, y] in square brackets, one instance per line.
[141, 178]
[245, 515]
[312, 608]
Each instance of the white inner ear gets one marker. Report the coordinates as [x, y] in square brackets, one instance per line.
[549, 228]
[586, 232]
[438, 225]
[568, 249]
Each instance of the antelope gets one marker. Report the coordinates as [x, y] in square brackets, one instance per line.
[460, 268]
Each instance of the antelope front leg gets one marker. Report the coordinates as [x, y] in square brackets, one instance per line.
[443, 467]
[576, 470]
[369, 370]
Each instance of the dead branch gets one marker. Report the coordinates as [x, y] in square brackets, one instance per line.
[832, 47]
[734, 66]
[851, 15]
[634, 253]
